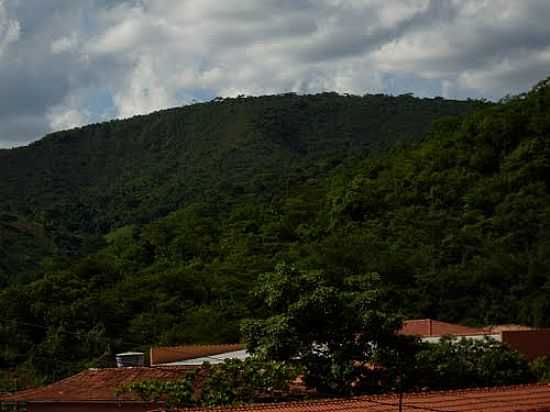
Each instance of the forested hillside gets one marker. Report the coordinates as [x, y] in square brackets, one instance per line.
[85, 182]
[176, 230]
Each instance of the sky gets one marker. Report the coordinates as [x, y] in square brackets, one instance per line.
[66, 63]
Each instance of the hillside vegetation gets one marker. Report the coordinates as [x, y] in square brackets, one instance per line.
[175, 230]
[88, 181]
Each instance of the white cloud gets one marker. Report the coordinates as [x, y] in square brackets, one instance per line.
[63, 117]
[144, 91]
[9, 29]
[68, 114]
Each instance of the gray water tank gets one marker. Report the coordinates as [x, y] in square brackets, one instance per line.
[130, 359]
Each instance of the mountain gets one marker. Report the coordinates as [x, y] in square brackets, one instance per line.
[154, 230]
[77, 185]
[157, 227]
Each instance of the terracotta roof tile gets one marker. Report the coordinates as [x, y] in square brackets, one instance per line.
[430, 327]
[94, 385]
[524, 398]
[166, 354]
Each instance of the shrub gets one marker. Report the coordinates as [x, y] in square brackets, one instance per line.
[232, 382]
[540, 368]
[463, 363]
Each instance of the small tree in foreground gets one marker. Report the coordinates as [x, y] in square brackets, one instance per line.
[333, 328]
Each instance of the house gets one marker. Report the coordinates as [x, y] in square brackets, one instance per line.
[95, 389]
[531, 342]
[92, 390]
[195, 355]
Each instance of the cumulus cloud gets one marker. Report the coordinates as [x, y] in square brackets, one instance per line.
[68, 114]
[65, 63]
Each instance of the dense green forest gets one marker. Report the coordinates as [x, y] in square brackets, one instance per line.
[80, 184]
[153, 230]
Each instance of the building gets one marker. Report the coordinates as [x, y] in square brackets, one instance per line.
[92, 390]
[95, 389]
[531, 342]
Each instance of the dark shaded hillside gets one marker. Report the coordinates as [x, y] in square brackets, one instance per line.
[22, 246]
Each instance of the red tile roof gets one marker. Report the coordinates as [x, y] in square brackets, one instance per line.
[430, 327]
[98, 385]
[94, 385]
[524, 398]
[168, 354]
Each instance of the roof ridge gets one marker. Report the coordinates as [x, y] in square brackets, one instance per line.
[182, 348]
[166, 354]
[126, 368]
[199, 345]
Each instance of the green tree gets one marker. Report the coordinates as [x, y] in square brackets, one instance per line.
[333, 328]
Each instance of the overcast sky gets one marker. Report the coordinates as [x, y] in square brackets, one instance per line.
[65, 63]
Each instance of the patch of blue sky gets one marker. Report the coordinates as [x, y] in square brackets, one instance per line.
[194, 95]
[397, 84]
[100, 105]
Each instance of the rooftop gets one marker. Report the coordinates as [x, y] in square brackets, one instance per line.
[98, 385]
[94, 385]
[523, 398]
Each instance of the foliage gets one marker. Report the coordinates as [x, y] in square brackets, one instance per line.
[462, 214]
[330, 327]
[173, 393]
[465, 363]
[229, 383]
[22, 245]
[540, 368]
